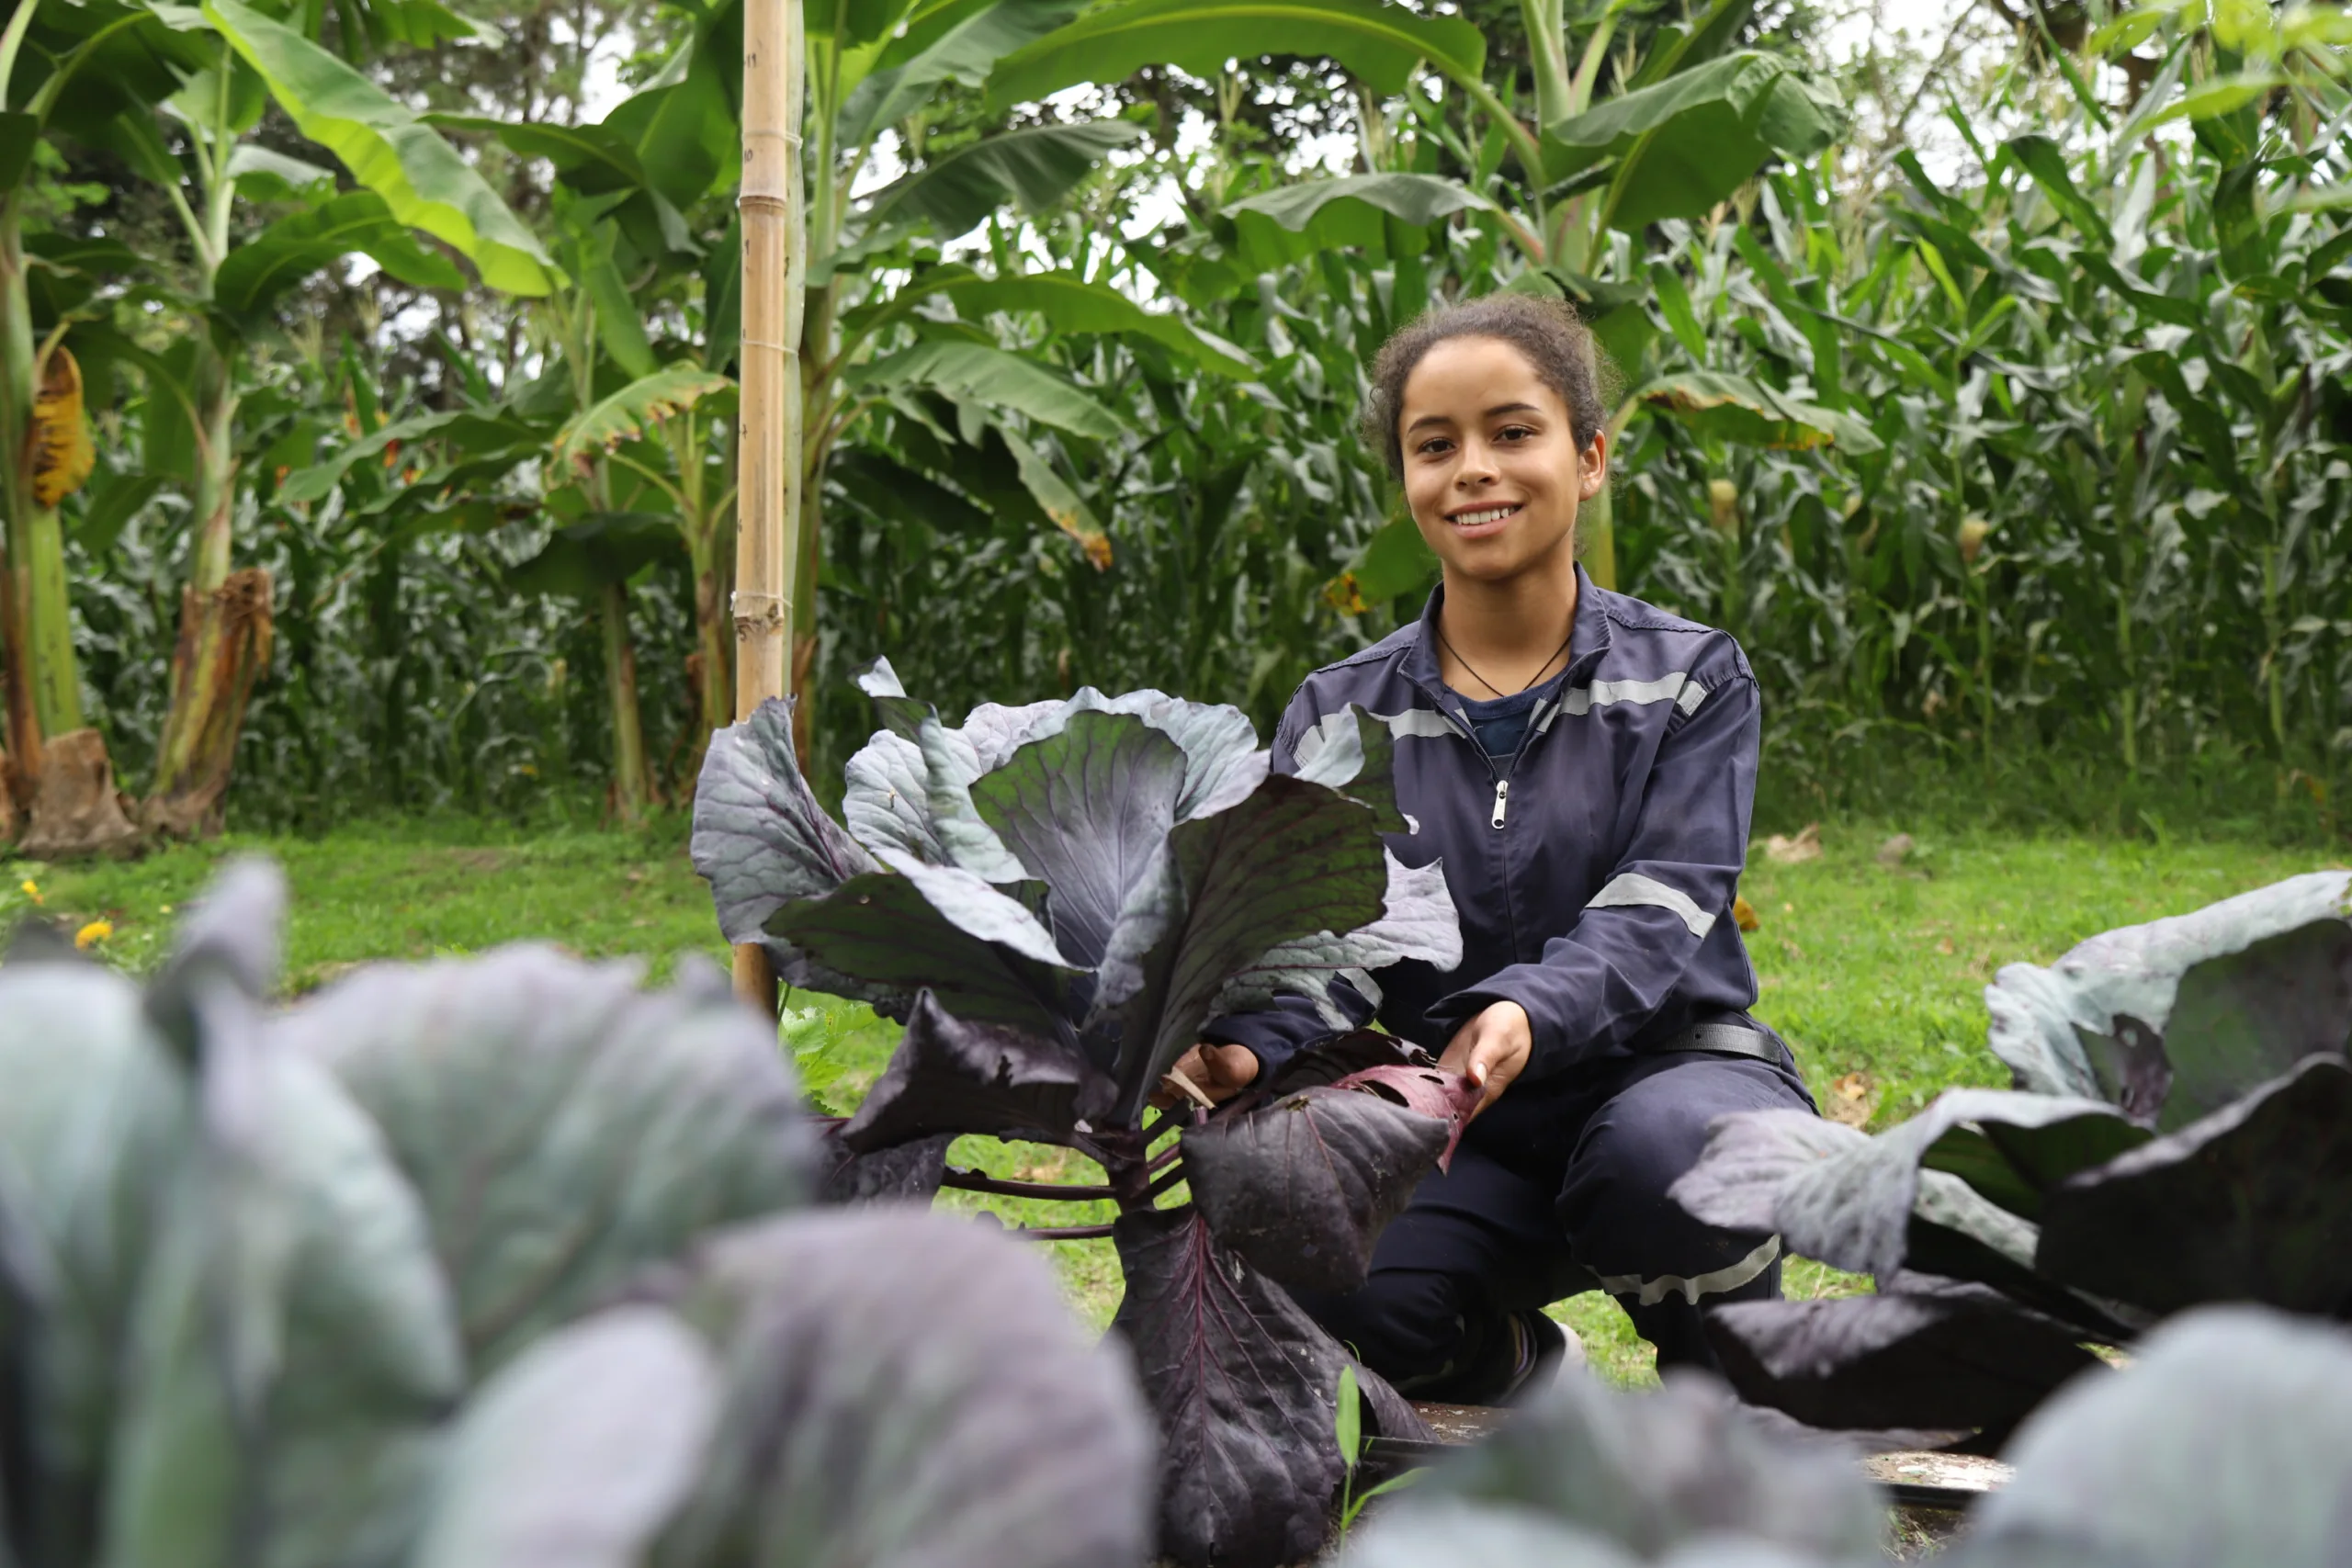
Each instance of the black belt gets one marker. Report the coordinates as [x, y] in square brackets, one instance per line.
[1723, 1040]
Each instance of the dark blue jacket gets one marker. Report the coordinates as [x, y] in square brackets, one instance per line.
[1594, 870]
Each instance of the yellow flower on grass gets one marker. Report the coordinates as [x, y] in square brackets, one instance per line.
[92, 934]
[32, 892]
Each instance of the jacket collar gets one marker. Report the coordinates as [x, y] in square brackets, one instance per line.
[1589, 641]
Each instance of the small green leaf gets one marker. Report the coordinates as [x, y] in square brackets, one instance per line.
[1396, 560]
[1071, 304]
[1674, 304]
[1348, 1423]
[466, 430]
[582, 559]
[1690, 141]
[2046, 162]
[273, 177]
[958, 42]
[1359, 211]
[19, 133]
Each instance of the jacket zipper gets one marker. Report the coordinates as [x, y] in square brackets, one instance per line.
[1502, 802]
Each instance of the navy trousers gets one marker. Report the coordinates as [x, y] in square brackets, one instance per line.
[1560, 1188]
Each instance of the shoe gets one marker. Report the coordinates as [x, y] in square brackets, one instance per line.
[1546, 1350]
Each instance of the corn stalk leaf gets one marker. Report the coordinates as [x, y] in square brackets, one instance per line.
[1738, 408]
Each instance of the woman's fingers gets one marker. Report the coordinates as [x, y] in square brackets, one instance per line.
[1189, 1065]
[1230, 1069]
[1491, 1051]
[1220, 1072]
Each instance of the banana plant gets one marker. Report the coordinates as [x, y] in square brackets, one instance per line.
[73, 70]
[411, 182]
[872, 343]
[873, 67]
[632, 260]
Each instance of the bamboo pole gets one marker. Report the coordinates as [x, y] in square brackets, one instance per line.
[768, 455]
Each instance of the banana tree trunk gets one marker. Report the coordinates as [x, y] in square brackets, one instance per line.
[632, 777]
[225, 638]
[771, 468]
[820, 350]
[60, 782]
[17, 665]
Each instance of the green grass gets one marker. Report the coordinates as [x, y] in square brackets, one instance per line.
[403, 890]
[1876, 973]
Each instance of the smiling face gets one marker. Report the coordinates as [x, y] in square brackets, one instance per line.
[1492, 470]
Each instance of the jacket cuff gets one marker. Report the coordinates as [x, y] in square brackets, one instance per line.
[1272, 1036]
[1276, 1033]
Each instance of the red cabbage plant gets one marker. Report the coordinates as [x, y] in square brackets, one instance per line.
[496, 1260]
[2180, 1134]
[1055, 899]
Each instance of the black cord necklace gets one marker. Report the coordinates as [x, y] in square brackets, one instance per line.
[1544, 669]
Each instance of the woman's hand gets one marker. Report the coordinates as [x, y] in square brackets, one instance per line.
[1219, 1071]
[1491, 1050]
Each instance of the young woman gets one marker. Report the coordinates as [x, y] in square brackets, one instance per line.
[1584, 765]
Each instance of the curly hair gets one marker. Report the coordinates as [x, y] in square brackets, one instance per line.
[1549, 333]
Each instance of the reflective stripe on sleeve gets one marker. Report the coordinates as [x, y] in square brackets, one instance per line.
[1631, 888]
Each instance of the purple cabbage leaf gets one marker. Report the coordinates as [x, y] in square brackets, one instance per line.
[2185, 1138]
[1106, 873]
[1302, 1186]
[904, 1387]
[2228, 1440]
[1584, 1473]
[1245, 1386]
[563, 1128]
[2054, 1026]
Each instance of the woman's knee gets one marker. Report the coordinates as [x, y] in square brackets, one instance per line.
[1649, 1136]
[1615, 1202]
